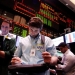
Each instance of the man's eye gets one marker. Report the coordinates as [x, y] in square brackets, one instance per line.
[2, 26]
[6, 27]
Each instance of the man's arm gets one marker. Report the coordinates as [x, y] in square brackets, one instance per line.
[50, 54]
[52, 60]
[2, 54]
[12, 48]
[68, 63]
[8, 53]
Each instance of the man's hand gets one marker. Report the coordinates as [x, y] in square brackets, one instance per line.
[2, 54]
[16, 60]
[47, 57]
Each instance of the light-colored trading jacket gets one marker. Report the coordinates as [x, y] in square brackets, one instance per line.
[26, 44]
[68, 63]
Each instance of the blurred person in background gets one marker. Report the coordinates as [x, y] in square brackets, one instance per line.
[8, 47]
[68, 60]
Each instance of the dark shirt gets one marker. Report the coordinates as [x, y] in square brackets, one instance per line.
[9, 48]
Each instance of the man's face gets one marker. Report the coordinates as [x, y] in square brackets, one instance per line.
[62, 49]
[33, 31]
[5, 27]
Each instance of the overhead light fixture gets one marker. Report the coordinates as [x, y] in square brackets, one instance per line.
[66, 4]
[73, 1]
[5, 13]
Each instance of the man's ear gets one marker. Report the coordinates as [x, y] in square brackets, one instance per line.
[10, 28]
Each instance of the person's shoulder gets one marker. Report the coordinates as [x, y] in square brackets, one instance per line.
[25, 38]
[71, 53]
[47, 38]
[11, 36]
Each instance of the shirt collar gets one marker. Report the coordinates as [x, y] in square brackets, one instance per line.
[66, 51]
[38, 36]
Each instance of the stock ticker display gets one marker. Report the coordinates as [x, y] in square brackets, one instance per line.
[27, 7]
[47, 13]
[20, 30]
[50, 16]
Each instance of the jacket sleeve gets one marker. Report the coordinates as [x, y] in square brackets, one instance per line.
[68, 63]
[10, 51]
[50, 47]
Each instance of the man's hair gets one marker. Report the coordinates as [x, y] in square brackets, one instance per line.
[7, 21]
[36, 22]
[63, 44]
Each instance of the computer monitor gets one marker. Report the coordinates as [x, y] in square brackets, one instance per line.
[70, 37]
[58, 40]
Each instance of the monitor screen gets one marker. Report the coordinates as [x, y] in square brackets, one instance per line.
[59, 53]
[70, 37]
[58, 40]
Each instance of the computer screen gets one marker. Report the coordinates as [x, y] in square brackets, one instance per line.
[59, 53]
[58, 40]
[70, 37]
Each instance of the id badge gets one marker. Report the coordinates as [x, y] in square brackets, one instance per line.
[32, 53]
[40, 47]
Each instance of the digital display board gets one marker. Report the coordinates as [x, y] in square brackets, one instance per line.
[19, 30]
[23, 9]
[58, 40]
[37, 8]
[70, 37]
[27, 7]
[24, 32]
[50, 17]
[53, 18]
[47, 13]
[16, 30]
